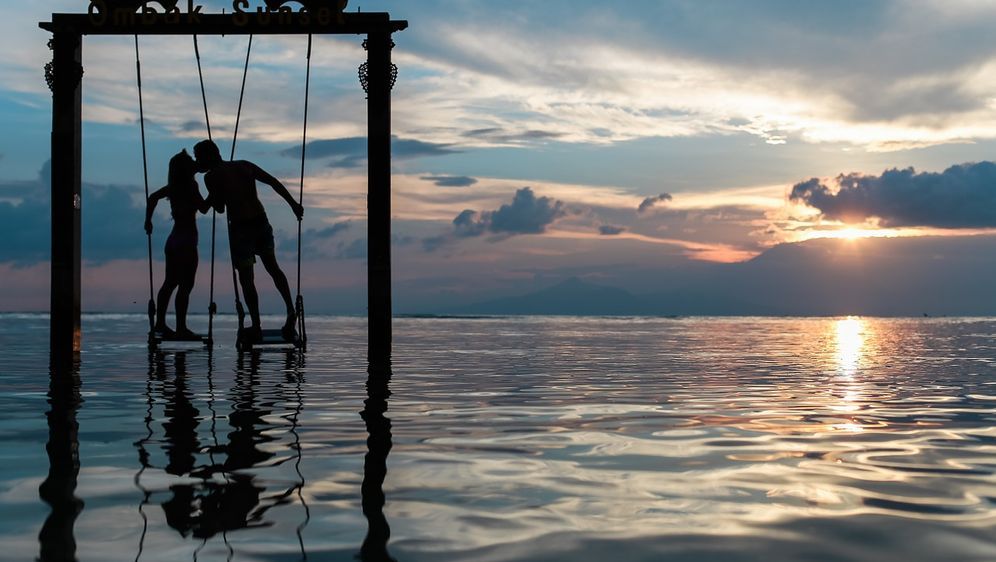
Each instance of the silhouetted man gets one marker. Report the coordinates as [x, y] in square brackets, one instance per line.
[232, 186]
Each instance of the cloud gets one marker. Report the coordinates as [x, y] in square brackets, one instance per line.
[451, 181]
[111, 229]
[611, 230]
[331, 231]
[962, 196]
[351, 152]
[411, 148]
[468, 223]
[526, 214]
[191, 126]
[650, 202]
[24, 228]
[312, 237]
[355, 250]
[433, 243]
[499, 135]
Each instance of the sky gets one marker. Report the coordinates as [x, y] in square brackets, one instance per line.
[636, 145]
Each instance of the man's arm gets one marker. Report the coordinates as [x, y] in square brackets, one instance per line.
[203, 205]
[260, 175]
[150, 206]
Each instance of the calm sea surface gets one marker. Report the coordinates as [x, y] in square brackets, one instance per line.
[507, 439]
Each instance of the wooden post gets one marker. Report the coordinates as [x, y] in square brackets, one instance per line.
[65, 76]
[379, 82]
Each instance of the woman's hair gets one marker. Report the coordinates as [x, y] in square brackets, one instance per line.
[181, 169]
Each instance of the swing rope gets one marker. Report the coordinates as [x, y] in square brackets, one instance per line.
[242, 92]
[145, 172]
[212, 306]
[299, 304]
[200, 75]
[240, 310]
[235, 137]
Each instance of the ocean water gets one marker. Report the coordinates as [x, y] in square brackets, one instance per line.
[507, 439]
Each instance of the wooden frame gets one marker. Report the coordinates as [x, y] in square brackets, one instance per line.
[65, 73]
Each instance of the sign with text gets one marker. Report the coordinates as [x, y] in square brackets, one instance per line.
[270, 12]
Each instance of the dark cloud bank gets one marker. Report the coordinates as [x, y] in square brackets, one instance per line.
[962, 196]
[112, 222]
[351, 152]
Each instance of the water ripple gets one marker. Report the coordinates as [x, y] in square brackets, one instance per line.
[518, 439]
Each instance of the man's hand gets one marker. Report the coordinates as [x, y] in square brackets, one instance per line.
[148, 226]
[298, 210]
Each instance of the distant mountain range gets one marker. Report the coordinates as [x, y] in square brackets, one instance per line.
[937, 276]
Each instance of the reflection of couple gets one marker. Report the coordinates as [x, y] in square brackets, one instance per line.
[230, 185]
[212, 496]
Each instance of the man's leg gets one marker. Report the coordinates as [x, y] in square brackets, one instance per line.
[249, 293]
[280, 280]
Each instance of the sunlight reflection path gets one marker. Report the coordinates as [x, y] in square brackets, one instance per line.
[850, 345]
[850, 342]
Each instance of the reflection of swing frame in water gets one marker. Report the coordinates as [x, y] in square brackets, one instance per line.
[56, 538]
[64, 75]
[379, 442]
[226, 497]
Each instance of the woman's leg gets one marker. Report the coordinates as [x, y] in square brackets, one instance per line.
[170, 283]
[162, 299]
[186, 285]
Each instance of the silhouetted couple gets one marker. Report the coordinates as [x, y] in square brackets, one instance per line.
[231, 187]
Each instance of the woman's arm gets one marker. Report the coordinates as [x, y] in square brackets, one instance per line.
[150, 206]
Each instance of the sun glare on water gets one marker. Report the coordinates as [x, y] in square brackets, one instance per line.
[849, 343]
[850, 340]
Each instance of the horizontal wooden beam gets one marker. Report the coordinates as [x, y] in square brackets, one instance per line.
[249, 23]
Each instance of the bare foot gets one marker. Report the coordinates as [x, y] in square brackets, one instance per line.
[252, 334]
[165, 331]
[289, 330]
[185, 333]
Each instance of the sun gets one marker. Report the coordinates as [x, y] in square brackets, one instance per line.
[851, 234]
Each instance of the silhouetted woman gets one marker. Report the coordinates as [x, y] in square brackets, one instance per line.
[181, 247]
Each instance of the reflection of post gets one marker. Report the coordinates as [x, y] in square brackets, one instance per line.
[375, 464]
[56, 538]
[294, 370]
[379, 193]
[64, 75]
